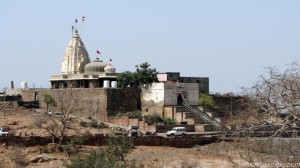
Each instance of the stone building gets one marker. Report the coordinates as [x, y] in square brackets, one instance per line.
[77, 71]
[169, 77]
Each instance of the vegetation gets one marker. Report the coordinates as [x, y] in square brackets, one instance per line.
[135, 114]
[143, 75]
[94, 123]
[207, 101]
[72, 148]
[112, 156]
[68, 104]
[84, 123]
[50, 101]
[169, 121]
[153, 119]
[19, 157]
[275, 93]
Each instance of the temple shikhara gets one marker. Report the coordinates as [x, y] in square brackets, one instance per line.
[77, 70]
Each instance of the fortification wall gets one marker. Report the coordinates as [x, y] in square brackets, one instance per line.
[98, 103]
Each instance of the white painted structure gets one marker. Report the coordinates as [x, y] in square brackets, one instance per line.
[158, 95]
[77, 71]
[76, 56]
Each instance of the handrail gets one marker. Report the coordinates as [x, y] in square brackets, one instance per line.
[203, 115]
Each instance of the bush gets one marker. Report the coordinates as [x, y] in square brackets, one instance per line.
[102, 125]
[135, 114]
[207, 101]
[94, 123]
[19, 157]
[112, 156]
[87, 134]
[169, 121]
[72, 148]
[83, 124]
[153, 119]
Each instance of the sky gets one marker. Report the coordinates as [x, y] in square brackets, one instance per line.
[229, 41]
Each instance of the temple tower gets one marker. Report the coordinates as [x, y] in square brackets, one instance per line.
[76, 56]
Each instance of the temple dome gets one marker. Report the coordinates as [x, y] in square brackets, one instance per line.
[97, 66]
[110, 69]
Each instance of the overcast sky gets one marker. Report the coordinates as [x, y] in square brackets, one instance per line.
[229, 41]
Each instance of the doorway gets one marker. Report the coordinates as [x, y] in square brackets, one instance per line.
[179, 100]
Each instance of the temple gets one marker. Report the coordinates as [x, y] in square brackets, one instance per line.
[77, 71]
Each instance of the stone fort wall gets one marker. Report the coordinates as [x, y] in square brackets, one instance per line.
[99, 103]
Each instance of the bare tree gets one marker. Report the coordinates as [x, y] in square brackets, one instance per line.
[273, 104]
[57, 123]
[275, 94]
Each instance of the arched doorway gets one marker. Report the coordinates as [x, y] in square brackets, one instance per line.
[179, 100]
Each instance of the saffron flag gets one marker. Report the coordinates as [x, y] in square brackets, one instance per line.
[98, 52]
[83, 18]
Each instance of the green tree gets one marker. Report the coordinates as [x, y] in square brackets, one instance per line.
[49, 100]
[207, 101]
[126, 79]
[143, 75]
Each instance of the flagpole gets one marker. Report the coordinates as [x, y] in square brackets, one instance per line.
[81, 23]
[72, 31]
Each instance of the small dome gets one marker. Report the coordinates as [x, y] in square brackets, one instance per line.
[110, 69]
[95, 67]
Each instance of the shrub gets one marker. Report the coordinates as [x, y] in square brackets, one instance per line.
[135, 114]
[83, 124]
[112, 156]
[18, 157]
[87, 134]
[72, 147]
[153, 119]
[102, 125]
[169, 121]
[94, 123]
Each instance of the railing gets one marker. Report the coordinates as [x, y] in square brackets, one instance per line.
[205, 117]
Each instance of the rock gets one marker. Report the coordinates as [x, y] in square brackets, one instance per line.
[40, 159]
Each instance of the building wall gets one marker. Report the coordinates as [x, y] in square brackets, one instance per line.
[98, 103]
[152, 99]
[158, 95]
[188, 91]
[203, 82]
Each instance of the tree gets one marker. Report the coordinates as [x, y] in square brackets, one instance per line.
[143, 75]
[276, 93]
[68, 104]
[126, 79]
[207, 101]
[50, 101]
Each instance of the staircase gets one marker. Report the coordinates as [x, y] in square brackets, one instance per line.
[206, 118]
